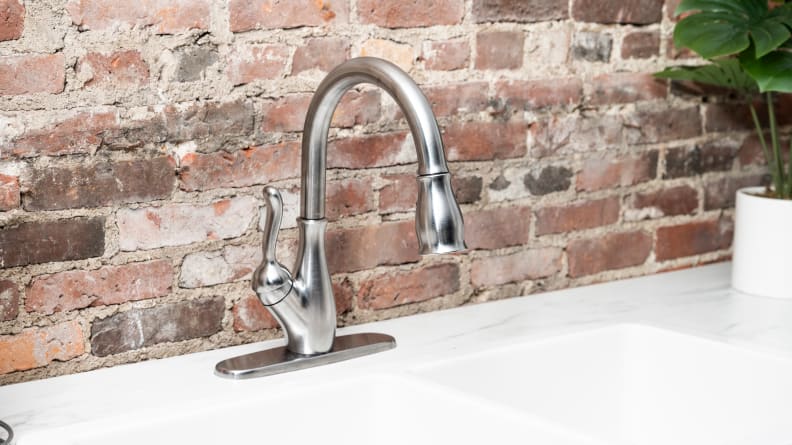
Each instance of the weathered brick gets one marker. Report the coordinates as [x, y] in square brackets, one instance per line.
[598, 174]
[250, 63]
[9, 192]
[608, 252]
[140, 328]
[680, 200]
[32, 74]
[481, 141]
[650, 127]
[531, 264]
[9, 300]
[640, 45]
[77, 289]
[496, 228]
[242, 168]
[693, 239]
[713, 156]
[721, 194]
[737, 116]
[194, 61]
[37, 347]
[100, 184]
[230, 264]
[536, 94]
[592, 47]
[570, 134]
[359, 248]
[467, 189]
[751, 153]
[348, 197]
[637, 12]
[522, 11]
[287, 114]
[446, 55]
[51, 241]
[457, 98]
[250, 315]
[579, 216]
[322, 54]
[412, 14]
[622, 88]
[120, 68]
[272, 14]
[379, 150]
[401, 193]
[395, 289]
[12, 19]
[499, 50]
[549, 179]
[400, 54]
[177, 224]
[211, 123]
[166, 16]
[81, 133]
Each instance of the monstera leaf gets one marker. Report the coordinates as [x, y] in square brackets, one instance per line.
[728, 27]
[772, 72]
[725, 73]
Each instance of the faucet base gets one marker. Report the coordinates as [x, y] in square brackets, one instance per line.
[279, 360]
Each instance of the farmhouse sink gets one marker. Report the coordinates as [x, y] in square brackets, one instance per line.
[635, 384]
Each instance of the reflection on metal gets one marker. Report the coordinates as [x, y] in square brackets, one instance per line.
[6, 434]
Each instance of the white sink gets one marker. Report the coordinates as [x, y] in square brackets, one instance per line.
[638, 385]
[373, 410]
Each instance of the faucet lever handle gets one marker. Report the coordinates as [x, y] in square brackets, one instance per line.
[271, 281]
[274, 202]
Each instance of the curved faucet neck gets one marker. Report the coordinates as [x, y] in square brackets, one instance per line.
[389, 77]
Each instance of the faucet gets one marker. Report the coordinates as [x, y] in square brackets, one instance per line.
[303, 302]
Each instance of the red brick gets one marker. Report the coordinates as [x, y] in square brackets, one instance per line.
[250, 315]
[359, 248]
[529, 264]
[12, 19]
[242, 168]
[598, 174]
[446, 55]
[637, 12]
[77, 289]
[287, 114]
[483, 141]
[9, 192]
[250, 63]
[586, 215]
[721, 194]
[349, 197]
[499, 50]
[323, 54]
[523, 11]
[9, 300]
[37, 347]
[622, 88]
[713, 156]
[680, 200]
[379, 150]
[343, 295]
[166, 16]
[180, 224]
[273, 14]
[608, 252]
[693, 239]
[399, 195]
[674, 53]
[400, 54]
[412, 14]
[51, 241]
[570, 134]
[651, 127]
[173, 322]
[496, 228]
[100, 184]
[32, 74]
[121, 68]
[640, 45]
[536, 94]
[81, 133]
[457, 98]
[737, 116]
[390, 290]
[751, 153]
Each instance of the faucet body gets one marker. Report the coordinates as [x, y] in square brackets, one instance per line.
[303, 303]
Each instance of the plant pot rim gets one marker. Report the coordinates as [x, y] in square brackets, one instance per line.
[750, 192]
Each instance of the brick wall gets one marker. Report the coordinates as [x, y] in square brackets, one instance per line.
[136, 138]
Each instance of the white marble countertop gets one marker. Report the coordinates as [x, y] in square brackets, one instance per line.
[697, 301]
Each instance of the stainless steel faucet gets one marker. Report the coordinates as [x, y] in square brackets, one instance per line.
[303, 303]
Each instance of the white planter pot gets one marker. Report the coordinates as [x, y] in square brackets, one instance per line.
[762, 261]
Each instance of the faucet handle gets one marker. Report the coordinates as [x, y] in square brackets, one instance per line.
[271, 280]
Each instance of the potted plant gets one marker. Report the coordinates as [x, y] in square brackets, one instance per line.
[748, 44]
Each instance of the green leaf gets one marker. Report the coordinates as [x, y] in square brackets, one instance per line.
[772, 72]
[727, 27]
[725, 73]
